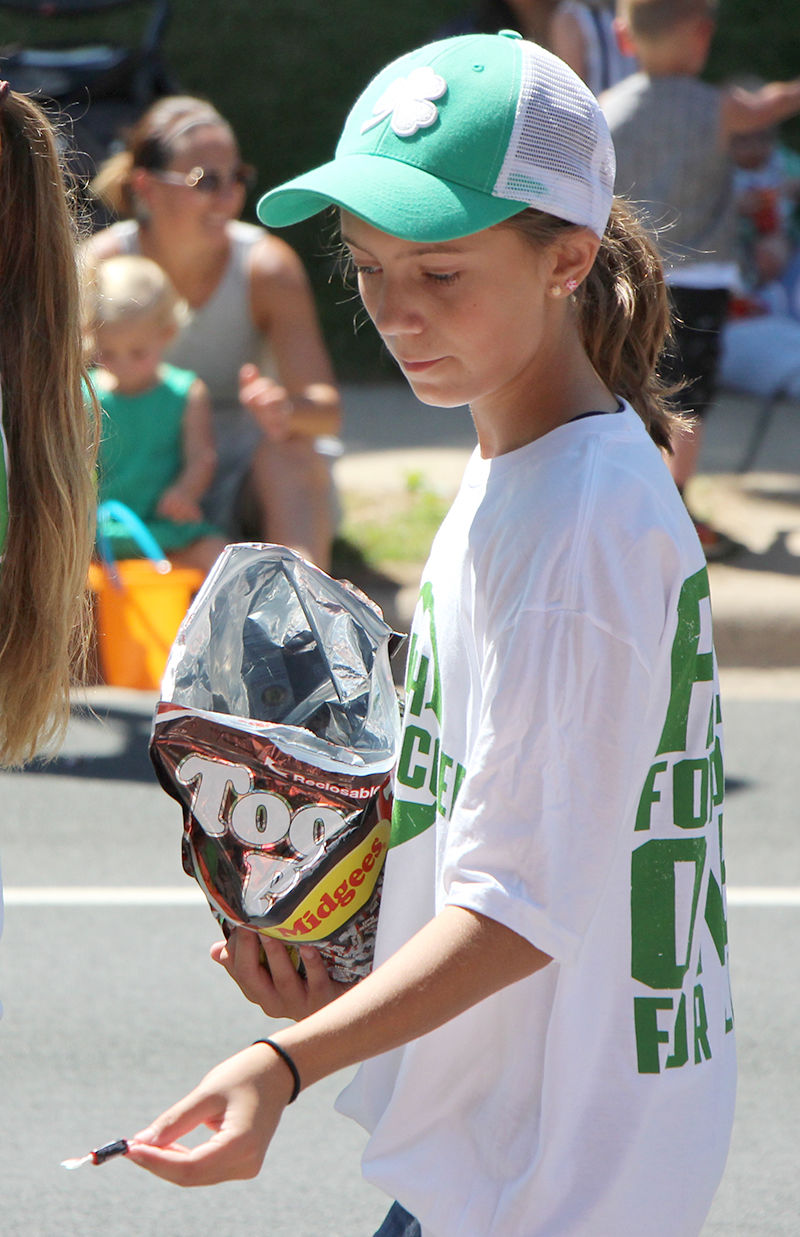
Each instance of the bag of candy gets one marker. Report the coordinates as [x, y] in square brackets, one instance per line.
[277, 733]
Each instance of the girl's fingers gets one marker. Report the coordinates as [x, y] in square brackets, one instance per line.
[321, 988]
[247, 968]
[283, 970]
[300, 995]
[218, 1159]
[241, 1101]
[240, 955]
[289, 988]
[227, 1155]
[219, 953]
[275, 986]
[198, 1108]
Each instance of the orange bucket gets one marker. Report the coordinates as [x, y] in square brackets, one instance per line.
[138, 616]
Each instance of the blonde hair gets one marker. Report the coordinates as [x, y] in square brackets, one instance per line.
[130, 288]
[624, 314]
[51, 429]
[649, 19]
[151, 145]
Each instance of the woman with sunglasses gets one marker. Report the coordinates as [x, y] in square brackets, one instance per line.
[252, 335]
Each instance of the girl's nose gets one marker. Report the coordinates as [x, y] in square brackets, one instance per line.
[395, 311]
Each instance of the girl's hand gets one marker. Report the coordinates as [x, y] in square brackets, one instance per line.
[241, 1100]
[267, 402]
[175, 504]
[276, 987]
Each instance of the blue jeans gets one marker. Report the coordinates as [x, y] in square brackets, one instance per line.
[399, 1223]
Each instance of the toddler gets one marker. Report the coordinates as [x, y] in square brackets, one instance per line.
[157, 451]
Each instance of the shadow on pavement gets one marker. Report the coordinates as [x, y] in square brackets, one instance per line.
[778, 557]
[127, 762]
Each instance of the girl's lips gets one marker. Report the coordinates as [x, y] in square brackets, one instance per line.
[416, 367]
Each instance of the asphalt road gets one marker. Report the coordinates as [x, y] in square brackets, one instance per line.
[112, 1009]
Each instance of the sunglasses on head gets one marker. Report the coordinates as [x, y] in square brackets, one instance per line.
[205, 180]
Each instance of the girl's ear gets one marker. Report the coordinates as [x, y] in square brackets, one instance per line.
[573, 258]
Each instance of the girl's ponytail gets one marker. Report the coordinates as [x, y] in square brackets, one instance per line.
[625, 316]
[51, 434]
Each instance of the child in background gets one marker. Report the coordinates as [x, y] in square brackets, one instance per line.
[157, 450]
[547, 1032]
[672, 134]
[49, 440]
[767, 189]
[583, 35]
[760, 347]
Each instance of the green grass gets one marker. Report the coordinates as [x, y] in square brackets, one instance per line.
[397, 529]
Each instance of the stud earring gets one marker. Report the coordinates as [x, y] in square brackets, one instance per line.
[571, 285]
[555, 290]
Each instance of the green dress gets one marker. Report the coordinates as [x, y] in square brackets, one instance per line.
[141, 456]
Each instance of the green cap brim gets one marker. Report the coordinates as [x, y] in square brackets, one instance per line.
[394, 197]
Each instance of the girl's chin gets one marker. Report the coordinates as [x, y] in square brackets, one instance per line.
[427, 393]
[438, 401]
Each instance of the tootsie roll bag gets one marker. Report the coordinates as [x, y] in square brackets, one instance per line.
[277, 733]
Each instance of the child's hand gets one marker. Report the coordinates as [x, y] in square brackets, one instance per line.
[279, 990]
[241, 1100]
[175, 504]
[267, 402]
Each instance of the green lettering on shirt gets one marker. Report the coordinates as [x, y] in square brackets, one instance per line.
[689, 666]
[677, 881]
[427, 780]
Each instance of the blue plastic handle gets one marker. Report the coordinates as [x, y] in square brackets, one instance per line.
[138, 532]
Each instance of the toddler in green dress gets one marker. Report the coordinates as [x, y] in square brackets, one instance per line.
[157, 452]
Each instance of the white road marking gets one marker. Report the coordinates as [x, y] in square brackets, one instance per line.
[103, 895]
[189, 895]
[764, 895]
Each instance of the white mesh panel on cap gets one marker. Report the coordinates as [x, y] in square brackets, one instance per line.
[560, 157]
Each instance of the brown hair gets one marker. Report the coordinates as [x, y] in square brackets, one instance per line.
[51, 432]
[624, 313]
[151, 145]
[649, 19]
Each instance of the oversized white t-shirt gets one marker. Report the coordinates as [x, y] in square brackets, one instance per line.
[561, 772]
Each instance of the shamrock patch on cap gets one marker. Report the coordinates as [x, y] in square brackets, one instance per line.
[409, 102]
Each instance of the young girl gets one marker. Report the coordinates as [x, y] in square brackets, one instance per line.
[547, 1032]
[47, 495]
[157, 451]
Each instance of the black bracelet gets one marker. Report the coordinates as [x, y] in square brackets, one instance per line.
[283, 1054]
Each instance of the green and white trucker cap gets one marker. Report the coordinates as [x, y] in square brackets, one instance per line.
[460, 135]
